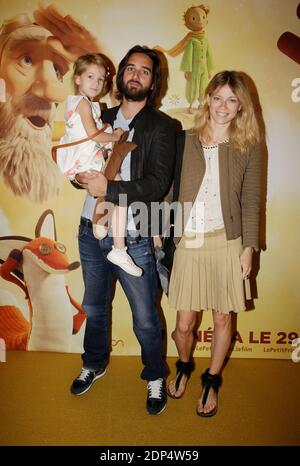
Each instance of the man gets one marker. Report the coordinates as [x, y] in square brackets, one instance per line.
[34, 58]
[27, 114]
[146, 175]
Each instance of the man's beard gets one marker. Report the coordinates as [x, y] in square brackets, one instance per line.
[134, 94]
[25, 160]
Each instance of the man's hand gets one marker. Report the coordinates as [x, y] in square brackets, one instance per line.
[157, 242]
[82, 178]
[94, 182]
[75, 38]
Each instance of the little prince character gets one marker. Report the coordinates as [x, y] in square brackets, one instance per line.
[197, 62]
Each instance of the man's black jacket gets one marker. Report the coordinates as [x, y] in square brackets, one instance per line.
[152, 162]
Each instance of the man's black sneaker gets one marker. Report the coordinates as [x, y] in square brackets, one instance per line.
[85, 379]
[157, 396]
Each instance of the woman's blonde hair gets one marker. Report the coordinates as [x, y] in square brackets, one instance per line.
[81, 64]
[243, 130]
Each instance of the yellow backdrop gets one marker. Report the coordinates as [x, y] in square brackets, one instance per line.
[243, 35]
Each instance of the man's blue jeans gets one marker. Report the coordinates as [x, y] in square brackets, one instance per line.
[141, 293]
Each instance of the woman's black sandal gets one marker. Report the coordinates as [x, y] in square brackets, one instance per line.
[183, 368]
[209, 381]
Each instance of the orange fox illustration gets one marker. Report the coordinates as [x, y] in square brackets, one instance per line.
[38, 266]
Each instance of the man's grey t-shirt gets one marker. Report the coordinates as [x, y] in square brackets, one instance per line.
[90, 201]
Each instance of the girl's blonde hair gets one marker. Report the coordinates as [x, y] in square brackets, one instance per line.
[82, 63]
[243, 130]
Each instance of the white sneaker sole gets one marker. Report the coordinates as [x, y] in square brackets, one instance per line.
[137, 273]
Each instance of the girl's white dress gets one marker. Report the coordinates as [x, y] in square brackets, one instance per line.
[87, 155]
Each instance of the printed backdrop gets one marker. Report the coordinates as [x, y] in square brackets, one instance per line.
[258, 37]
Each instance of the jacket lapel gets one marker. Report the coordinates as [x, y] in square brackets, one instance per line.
[224, 176]
[136, 161]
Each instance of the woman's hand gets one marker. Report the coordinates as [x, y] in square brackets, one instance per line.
[246, 261]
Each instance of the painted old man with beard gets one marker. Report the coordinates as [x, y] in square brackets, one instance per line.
[33, 64]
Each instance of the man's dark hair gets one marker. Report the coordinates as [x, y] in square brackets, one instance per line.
[155, 90]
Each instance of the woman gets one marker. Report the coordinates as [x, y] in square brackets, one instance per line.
[220, 178]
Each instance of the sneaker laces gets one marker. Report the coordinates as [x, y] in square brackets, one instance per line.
[84, 374]
[155, 388]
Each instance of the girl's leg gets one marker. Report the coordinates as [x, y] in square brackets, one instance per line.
[184, 339]
[118, 255]
[118, 226]
[219, 348]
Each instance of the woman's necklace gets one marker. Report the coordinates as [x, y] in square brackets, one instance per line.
[215, 142]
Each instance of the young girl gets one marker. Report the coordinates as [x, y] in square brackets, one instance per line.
[83, 119]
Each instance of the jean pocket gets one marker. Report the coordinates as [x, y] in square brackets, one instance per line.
[141, 249]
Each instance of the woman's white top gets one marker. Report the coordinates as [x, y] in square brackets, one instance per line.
[206, 213]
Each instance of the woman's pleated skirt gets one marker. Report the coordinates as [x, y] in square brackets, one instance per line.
[207, 275]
